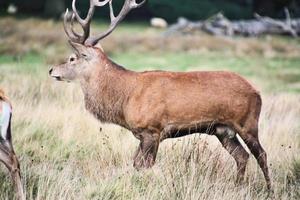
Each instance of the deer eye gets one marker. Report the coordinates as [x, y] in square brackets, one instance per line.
[72, 59]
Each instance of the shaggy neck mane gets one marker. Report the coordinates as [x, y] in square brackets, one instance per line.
[106, 91]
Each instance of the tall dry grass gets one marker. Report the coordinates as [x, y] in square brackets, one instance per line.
[66, 154]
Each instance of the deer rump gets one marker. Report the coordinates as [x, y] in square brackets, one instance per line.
[184, 103]
[5, 117]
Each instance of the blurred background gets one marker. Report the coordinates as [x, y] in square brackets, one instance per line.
[167, 9]
[66, 154]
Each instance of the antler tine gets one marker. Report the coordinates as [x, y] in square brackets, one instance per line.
[100, 3]
[87, 20]
[84, 23]
[70, 33]
[72, 26]
[111, 11]
[115, 20]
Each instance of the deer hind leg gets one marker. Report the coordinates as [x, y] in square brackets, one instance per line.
[16, 176]
[9, 159]
[147, 150]
[5, 156]
[237, 151]
[250, 137]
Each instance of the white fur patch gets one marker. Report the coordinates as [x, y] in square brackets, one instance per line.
[4, 118]
[222, 130]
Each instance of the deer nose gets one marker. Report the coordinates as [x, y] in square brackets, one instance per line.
[50, 71]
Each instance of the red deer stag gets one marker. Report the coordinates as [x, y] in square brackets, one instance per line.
[7, 153]
[156, 105]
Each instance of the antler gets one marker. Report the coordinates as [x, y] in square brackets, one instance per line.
[115, 20]
[85, 23]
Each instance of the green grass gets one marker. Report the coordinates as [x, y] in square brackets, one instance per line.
[29, 63]
[282, 74]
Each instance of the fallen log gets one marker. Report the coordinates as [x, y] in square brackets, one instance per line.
[221, 26]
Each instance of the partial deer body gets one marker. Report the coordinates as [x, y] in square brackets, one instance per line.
[157, 105]
[7, 154]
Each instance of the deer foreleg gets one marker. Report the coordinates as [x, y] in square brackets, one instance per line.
[147, 150]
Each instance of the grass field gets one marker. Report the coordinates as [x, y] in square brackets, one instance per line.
[66, 154]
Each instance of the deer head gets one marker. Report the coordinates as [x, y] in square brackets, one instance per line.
[86, 56]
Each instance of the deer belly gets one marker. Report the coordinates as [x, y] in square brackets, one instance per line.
[5, 114]
[205, 108]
